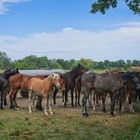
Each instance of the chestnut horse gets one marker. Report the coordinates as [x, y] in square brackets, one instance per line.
[20, 81]
[17, 82]
[43, 88]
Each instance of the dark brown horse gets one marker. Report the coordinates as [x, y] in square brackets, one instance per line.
[5, 84]
[69, 78]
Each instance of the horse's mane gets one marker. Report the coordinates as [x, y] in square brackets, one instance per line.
[56, 75]
[50, 77]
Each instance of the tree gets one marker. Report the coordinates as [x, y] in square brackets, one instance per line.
[88, 63]
[103, 5]
[5, 61]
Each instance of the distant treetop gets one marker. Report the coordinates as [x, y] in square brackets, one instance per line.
[103, 5]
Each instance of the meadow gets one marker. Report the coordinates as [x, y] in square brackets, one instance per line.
[67, 124]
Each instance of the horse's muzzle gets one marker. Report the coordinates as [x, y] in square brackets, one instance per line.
[58, 86]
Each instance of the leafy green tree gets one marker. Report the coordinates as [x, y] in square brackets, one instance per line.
[135, 63]
[129, 63]
[42, 63]
[5, 61]
[88, 63]
[54, 65]
[120, 63]
[103, 5]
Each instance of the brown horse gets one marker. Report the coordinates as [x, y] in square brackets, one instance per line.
[20, 81]
[17, 82]
[43, 88]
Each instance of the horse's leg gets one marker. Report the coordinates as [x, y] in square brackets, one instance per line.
[15, 102]
[84, 100]
[90, 100]
[79, 91]
[122, 100]
[33, 100]
[5, 101]
[103, 100]
[50, 105]
[12, 94]
[114, 98]
[75, 96]
[132, 101]
[46, 105]
[66, 96]
[39, 103]
[72, 97]
[94, 101]
[63, 96]
[1, 106]
[54, 95]
[30, 98]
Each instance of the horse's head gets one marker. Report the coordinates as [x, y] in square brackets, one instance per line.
[9, 73]
[62, 82]
[56, 80]
[81, 69]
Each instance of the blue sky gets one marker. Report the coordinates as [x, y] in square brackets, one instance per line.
[65, 29]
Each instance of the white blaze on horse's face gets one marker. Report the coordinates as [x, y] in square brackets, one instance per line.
[56, 79]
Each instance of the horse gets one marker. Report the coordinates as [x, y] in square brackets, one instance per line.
[5, 84]
[43, 88]
[17, 82]
[20, 81]
[69, 78]
[55, 91]
[69, 82]
[103, 84]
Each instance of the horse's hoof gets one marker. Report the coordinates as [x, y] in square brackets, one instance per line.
[104, 111]
[72, 105]
[85, 114]
[17, 108]
[46, 114]
[113, 115]
[51, 113]
[39, 108]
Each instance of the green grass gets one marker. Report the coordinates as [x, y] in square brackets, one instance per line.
[66, 124]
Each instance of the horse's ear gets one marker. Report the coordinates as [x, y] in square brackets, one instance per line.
[61, 75]
[17, 70]
[79, 64]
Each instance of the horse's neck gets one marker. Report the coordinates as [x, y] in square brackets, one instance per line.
[7, 75]
[49, 82]
[74, 74]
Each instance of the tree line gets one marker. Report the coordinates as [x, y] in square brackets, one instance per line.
[34, 62]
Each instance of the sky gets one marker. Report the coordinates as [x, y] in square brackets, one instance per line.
[66, 29]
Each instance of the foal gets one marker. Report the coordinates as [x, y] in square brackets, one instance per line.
[43, 88]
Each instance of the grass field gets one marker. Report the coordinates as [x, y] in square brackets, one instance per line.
[66, 124]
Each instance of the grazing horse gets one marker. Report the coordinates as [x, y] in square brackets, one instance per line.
[104, 84]
[5, 85]
[43, 88]
[69, 78]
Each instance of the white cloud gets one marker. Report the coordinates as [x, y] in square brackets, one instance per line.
[119, 43]
[5, 3]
